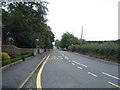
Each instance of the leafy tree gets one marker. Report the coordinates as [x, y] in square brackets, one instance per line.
[68, 39]
[26, 21]
[57, 43]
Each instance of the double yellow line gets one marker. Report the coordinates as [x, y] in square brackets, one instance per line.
[38, 81]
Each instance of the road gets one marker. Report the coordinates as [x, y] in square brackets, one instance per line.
[69, 70]
[15, 75]
[63, 69]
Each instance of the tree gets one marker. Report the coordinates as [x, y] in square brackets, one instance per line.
[68, 39]
[58, 43]
[26, 21]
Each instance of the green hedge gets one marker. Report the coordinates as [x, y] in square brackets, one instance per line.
[5, 62]
[107, 50]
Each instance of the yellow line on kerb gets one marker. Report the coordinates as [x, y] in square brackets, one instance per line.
[114, 84]
[92, 74]
[38, 81]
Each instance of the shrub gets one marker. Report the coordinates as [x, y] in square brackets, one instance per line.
[5, 56]
[74, 47]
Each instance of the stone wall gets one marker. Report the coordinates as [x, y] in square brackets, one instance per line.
[18, 51]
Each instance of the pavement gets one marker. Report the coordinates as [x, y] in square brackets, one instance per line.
[64, 69]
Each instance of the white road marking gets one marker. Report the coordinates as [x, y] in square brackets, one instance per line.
[62, 54]
[66, 57]
[111, 76]
[79, 63]
[73, 64]
[79, 67]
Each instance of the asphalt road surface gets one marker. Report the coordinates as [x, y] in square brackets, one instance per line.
[71, 70]
[63, 69]
[15, 75]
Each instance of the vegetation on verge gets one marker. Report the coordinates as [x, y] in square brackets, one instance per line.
[107, 50]
[4, 56]
[8, 61]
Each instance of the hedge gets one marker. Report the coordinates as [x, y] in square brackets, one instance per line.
[107, 50]
[8, 61]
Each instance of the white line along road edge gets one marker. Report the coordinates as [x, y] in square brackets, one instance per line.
[79, 63]
[111, 76]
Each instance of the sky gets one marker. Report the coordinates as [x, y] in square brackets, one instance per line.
[99, 18]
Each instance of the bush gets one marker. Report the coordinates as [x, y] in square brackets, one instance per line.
[5, 56]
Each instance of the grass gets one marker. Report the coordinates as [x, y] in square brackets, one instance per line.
[6, 62]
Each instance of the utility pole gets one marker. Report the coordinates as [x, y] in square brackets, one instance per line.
[81, 35]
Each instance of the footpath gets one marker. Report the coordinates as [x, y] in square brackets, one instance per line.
[15, 75]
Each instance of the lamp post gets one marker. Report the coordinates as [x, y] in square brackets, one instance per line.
[37, 40]
[81, 35]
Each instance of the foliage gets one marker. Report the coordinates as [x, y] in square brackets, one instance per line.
[102, 49]
[8, 61]
[5, 56]
[68, 40]
[26, 22]
[57, 43]
[107, 50]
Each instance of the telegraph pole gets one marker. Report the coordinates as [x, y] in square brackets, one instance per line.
[81, 35]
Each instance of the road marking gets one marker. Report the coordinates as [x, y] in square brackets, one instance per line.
[114, 84]
[66, 57]
[61, 54]
[38, 80]
[92, 74]
[79, 63]
[110, 75]
[69, 60]
[79, 67]
[73, 64]
[21, 86]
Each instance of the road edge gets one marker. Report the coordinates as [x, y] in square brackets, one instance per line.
[99, 59]
[6, 66]
[25, 81]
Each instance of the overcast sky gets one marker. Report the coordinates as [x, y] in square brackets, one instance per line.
[98, 17]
